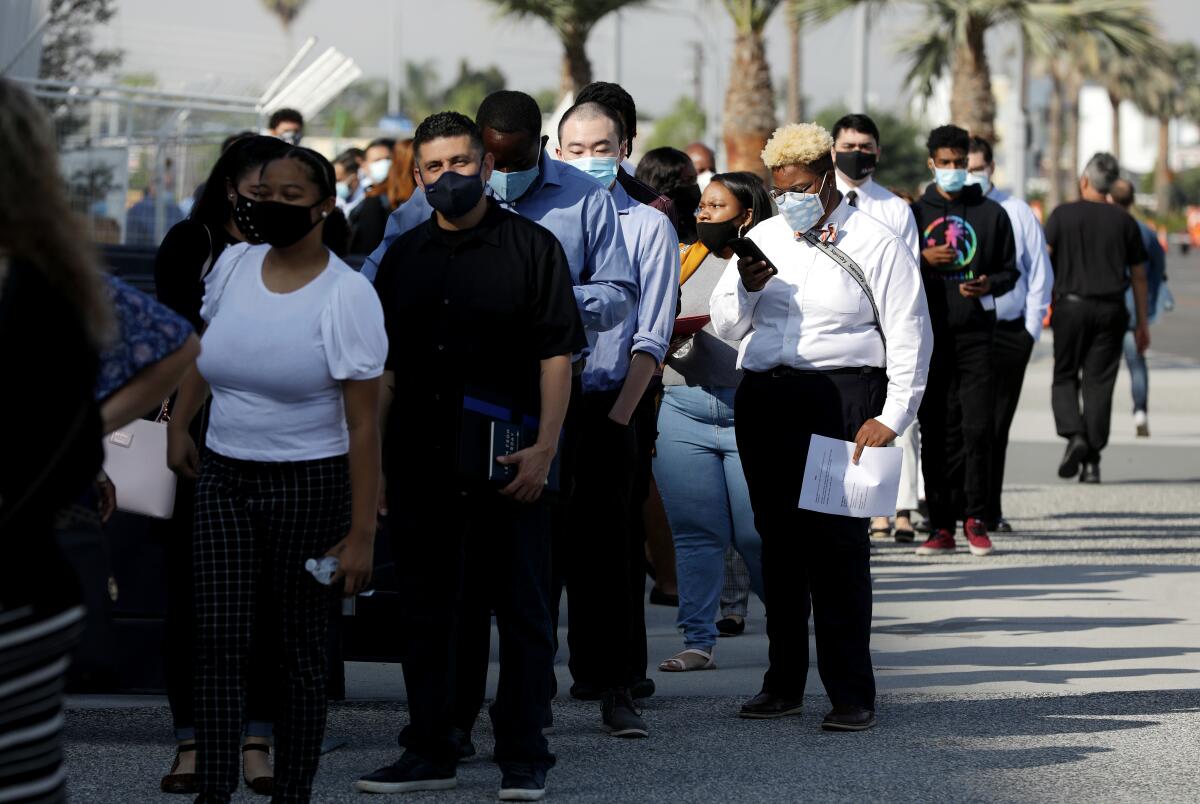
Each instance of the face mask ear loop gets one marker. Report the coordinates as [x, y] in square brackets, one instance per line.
[742, 228]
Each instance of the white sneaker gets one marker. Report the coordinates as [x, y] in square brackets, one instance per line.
[1142, 422]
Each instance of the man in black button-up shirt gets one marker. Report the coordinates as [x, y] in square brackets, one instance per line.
[480, 317]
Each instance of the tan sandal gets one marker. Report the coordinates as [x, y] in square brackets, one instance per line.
[683, 663]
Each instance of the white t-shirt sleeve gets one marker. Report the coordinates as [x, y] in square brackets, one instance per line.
[352, 330]
[218, 278]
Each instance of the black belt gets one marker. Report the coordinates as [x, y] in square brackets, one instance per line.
[788, 371]
[1078, 297]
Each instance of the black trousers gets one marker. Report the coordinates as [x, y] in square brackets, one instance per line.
[1088, 335]
[1011, 347]
[594, 548]
[458, 557]
[264, 671]
[957, 427]
[811, 561]
[256, 525]
[645, 432]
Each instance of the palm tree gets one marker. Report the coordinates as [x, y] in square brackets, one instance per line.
[1171, 89]
[795, 85]
[749, 98]
[1121, 76]
[573, 21]
[951, 39]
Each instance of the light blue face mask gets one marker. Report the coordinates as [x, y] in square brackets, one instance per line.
[801, 210]
[508, 187]
[343, 190]
[601, 168]
[950, 179]
[378, 170]
[982, 179]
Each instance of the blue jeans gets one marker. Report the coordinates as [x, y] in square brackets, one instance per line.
[699, 474]
[1139, 375]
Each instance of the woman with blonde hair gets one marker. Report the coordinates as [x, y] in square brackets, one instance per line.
[835, 341]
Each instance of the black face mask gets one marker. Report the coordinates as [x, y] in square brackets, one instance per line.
[856, 165]
[716, 236]
[281, 224]
[454, 194]
[244, 219]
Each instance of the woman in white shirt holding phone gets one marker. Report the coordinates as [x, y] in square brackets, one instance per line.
[818, 359]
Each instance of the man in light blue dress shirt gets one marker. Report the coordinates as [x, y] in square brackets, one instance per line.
[602, 560]
[1019, 316]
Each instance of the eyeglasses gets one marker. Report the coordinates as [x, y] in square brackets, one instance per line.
[780, 192]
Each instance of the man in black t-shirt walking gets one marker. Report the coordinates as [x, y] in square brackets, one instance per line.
[1091, 244]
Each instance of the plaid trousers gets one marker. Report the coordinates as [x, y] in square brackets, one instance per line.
[255, 525]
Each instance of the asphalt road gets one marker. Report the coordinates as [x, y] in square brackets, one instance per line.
[1065, 667]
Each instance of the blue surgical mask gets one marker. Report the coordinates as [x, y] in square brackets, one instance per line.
[601, 168]
[950, 179]
[508, 187]
[982, 179]
[343, 190]
[801, 210]
[378, 170]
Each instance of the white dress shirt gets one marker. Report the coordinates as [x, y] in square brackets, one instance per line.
[814, 315]
[1031, 296]
[885, 206]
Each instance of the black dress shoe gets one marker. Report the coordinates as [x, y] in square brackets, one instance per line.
[1090, 473]
[1077, 450]
[766, 706]
[1002, 526]
[849, 718]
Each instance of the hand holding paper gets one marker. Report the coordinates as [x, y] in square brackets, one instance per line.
[835, 484]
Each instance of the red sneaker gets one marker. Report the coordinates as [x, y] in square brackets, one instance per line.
[940, 541]
[977, 537]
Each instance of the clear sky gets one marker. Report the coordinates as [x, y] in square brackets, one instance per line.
[236, 46]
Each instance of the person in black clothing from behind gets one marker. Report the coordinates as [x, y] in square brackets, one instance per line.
[188, 252]
[1097, 252]
[671, 172]
[968, 256]
[480, 314]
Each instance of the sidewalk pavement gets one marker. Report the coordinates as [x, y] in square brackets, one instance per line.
[1064, 667]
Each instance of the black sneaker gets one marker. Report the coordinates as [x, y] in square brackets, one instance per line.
[766, 706]
[462, 744]
[642, 688]
[1090, 473]
[409, 774]
[621, 717]
[522, 782]
[586, 691]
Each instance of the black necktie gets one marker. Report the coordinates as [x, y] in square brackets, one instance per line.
[852, 198]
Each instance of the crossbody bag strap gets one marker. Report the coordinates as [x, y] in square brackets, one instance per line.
[851, 267]
[208, 261]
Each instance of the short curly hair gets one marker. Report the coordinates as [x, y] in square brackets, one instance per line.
[797, 144]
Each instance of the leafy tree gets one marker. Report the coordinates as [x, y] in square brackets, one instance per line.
[572, 21]
[678, 128]
[1171, 89]
[749, 98]
[951, 39]
[902, 165]
[68, 41]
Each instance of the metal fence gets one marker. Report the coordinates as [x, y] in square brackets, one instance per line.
[133, 158]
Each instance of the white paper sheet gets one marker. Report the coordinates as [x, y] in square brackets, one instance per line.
[834, 484]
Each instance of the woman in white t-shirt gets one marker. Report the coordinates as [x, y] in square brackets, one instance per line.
[293, 349]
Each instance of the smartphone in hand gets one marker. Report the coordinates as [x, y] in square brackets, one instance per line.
[748, 249]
